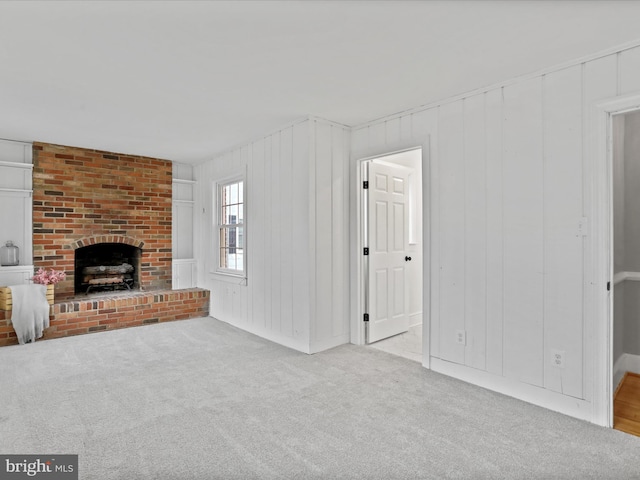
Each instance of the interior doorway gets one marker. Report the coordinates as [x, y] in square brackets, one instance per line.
[392, 271]
[625, 146]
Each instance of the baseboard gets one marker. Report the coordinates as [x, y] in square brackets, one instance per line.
[415, 319]
[322, 345]
[626, 363]
[573, 407]
[292, 343]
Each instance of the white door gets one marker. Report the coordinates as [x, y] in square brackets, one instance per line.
[388, 228]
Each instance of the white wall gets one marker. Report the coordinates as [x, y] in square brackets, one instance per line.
[296, 234]
[16, 169]
[507, 204]
[183, 261]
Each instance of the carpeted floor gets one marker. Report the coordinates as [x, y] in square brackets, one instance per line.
[199, 399]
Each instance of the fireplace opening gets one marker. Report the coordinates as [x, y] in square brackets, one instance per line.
[107, 266]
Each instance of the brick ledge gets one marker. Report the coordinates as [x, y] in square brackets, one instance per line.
[126, 299]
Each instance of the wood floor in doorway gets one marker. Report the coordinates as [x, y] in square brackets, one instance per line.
[626, 405]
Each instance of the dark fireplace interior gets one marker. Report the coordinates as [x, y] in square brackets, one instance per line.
[107, 266]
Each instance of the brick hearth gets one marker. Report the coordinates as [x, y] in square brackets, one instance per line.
[111, 311]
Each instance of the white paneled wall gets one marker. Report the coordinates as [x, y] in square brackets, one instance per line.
[295, 291]
[16, 168]
[508, 196]
[183, 263]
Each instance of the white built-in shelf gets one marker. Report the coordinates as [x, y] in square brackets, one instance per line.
[26, 166]
[16, 275]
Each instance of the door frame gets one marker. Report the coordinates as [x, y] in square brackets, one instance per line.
[598, 301]
[356, 236]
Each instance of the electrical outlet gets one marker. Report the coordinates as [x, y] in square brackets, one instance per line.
[557, 358]
[461, 337]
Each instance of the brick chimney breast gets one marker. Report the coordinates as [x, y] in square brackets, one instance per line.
[84, 197]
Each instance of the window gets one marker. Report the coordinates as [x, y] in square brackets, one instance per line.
[231, 226]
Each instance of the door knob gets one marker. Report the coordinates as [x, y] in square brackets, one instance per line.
[407, 259]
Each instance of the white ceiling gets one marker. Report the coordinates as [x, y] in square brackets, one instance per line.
[187, 80]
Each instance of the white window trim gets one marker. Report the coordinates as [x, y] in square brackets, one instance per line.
[241, 274]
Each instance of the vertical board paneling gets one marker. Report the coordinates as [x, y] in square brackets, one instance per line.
[268, 244]
[274, 301]
[562, 112]
[495, 240]
[523, 232]
[629, 71]
[392, 128]
[405, 127]
[451, 229]
[301, 231]
[313, 225]
[422, 124]
[321, 327]
[600, 81]
[339, 246]
[247, 293]
[360, 137]
[377, 135]
[275, 233]
[183, 242]
[475, 254]
[258, 229]
[286, 232]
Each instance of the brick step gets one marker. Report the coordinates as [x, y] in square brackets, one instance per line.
[101, 312]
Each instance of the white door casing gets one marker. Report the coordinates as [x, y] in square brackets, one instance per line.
[388, 229]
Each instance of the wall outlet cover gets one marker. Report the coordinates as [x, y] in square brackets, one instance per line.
[557, 358]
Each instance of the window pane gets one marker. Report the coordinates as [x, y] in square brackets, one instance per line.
[226, 194]
[239, 259]
[233, 188]
[223, 258]
[224, 215]
[240, 213]
[231, 260]
[232, 240]
[240, 192]
[240, 231]
[233, 214]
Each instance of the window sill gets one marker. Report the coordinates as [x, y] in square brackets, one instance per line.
[230, 277]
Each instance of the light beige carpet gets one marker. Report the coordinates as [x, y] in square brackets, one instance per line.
[199, 399]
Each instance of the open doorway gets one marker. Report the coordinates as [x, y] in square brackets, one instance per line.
[392, 271]
[625, 141]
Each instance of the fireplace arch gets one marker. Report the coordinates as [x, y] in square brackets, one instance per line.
[107, 263]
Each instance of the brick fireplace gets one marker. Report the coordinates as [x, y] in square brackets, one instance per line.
[85, 197]
[94, 209]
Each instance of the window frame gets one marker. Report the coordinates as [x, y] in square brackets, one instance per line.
[218, 226]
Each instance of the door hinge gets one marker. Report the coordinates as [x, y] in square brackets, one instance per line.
[366, 317]
[366, 251]
[365, 184]
[608, 286]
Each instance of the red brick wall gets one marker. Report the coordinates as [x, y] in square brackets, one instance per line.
[80, 195]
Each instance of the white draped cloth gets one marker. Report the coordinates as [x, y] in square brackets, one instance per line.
[29, 311]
